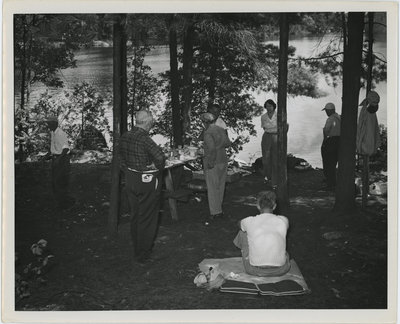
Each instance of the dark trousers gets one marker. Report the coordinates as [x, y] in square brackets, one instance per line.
[269, 150]
[60, 170]
[330, 157]
[143, 191]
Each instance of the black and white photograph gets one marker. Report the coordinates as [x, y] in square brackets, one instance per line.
[227, 161]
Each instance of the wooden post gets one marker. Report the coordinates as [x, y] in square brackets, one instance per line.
[172, 201]
[282, 193]
[119, 118]
[365, 181]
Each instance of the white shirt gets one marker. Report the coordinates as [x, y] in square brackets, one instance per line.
[59, 141]
[270, 125]
[219, 122]
[266, 234]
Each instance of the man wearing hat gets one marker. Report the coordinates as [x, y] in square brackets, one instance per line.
[60, 164]
[215, 163]
[368, 134]
[330, 145]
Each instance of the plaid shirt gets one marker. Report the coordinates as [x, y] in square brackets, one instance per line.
[137, 151]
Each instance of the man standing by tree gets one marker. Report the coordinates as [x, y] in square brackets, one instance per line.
[142, 161]
[60, 166]
[330, 145]
[215, 109]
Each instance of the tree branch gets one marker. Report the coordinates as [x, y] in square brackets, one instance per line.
[377, 23]
[316, 58]
[377, 57]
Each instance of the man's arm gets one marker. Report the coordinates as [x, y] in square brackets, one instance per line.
[156, 153]
[327, 128]
[211, 152]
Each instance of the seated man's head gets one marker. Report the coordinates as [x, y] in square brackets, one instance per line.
[144, 119]
[215, 109]
[52, 122]
[266, 201]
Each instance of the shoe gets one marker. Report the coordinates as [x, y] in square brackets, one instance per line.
[66, 204]
[145, 260]
[207, 220]
[217, 216]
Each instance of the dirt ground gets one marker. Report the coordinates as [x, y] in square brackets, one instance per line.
[93, 270]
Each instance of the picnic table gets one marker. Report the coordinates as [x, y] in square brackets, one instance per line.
[169, 166]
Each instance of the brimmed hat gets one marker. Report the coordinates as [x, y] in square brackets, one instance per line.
[51, 118]
[373, 98]
[207, 117]
[329, 106]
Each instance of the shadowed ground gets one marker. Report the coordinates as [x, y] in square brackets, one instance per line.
[343, 258]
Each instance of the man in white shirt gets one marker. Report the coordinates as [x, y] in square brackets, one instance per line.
[60, 166]
[330, 145]
[262, 239]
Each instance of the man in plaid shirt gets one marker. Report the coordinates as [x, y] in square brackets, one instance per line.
[142, 161]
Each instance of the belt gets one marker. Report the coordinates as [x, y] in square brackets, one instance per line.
[145, 171]
[272, 133]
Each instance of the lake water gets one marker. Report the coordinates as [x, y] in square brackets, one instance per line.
[304, 114]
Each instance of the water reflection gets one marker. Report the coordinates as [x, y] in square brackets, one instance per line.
[305, 117]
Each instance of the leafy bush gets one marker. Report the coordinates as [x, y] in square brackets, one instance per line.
[82, 107]
[32, 273]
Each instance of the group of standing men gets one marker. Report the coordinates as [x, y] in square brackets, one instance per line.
[142, 162]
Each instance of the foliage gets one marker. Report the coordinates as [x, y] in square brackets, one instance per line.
[82, 107]
[43, 45]
[330, 59]
[379, 159]
[32, 273]
[143, 86]
[237, 77]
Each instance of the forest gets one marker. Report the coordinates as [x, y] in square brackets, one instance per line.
[213, 58]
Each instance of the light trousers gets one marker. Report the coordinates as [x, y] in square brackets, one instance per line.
[215, 180]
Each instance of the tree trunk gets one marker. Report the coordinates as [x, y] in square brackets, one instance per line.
[344, 27]
[23, 63]
[213, 77]
[370, 55]
[119, 118]
[345, 189]
[24, 59]
[187, 76]
[176, 109]
[134, 85]
[282, 193]
[370, 62]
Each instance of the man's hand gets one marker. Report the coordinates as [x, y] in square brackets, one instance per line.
[64, 151]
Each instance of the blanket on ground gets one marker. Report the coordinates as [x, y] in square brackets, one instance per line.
[237, 281]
